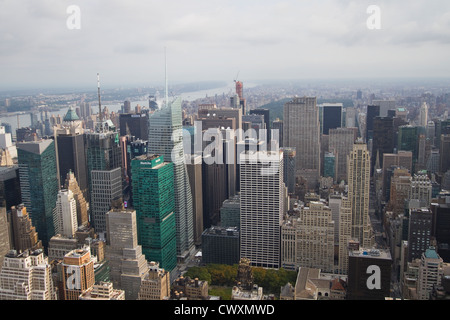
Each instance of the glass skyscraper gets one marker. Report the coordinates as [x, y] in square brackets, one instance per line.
[153, 194]
[165, 138]
[39, 184]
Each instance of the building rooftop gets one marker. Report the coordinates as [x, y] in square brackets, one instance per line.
[371, 253]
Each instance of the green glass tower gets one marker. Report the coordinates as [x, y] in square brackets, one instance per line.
[39, 184]
[153, 199]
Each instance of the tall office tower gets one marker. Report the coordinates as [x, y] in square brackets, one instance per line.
[9, 186]
[315, 236]
[24, 235]
[262, 207]
[256, 122]
[194, 169]
[421, 189]
[156, 284]
[277, 124]
[65, 214]
[289, 159]
[70, 148]
[230, 212]
[400, 191]
[166, 139]
[207, 111]
[301, 131]
[444, 151]
[39, 184]
[369, 274]
[26, 275]
[408, 140]
[104, 172]
[430, 273]
[373, 111]
[6, 142]
[358, 163]
[77, 273]
[82, 206]
[331, 116]
[266, 114]
[5, 237]
[153, 195]
[132, 124]
[345, 234]
[383, 138]
[423, 153]
[419, 232]
[385, 106]
[128, 266]
[341, 142]
[423, 115]
[220, 245]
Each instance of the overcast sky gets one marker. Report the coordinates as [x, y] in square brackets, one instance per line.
[124, 41]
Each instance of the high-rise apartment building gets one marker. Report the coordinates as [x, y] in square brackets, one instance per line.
[358, 164]
[166, 139]
[153, 194]
[262, 207]
[26, 275]
[301, 130]
[39, 184]
[430, 273]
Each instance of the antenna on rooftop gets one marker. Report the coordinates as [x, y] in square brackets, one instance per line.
[166, 93]
[99, 102]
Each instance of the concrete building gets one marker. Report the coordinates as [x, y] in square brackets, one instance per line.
[77, 273]
[26, 276]
[128, 266]
[156, 284]
[341, 142]
[430, 273]
[102, 291]
[419, 232]
[191, 289]
[301, 130]
[65, 214]
[24, 235]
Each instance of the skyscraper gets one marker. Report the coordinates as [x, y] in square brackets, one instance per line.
[105, 173]
[70, 148]
[358, 193]
[341, 142]
[82, 206]
[26, 275]
[153, 194]
[372, 112]
[262, 207]
[128, 265]
[383, 139]
[166, 139]
[65, 214]
[77, 273]
[301, 130]
[39, 184]
[331, 116]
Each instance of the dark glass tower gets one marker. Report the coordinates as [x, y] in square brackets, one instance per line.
[39, 184]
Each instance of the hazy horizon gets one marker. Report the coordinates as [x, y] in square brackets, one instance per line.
[215, 40]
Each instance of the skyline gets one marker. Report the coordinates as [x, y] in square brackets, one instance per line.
[214, 40]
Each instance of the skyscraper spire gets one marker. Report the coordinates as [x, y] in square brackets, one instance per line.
[166, 93]
[99, 102]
